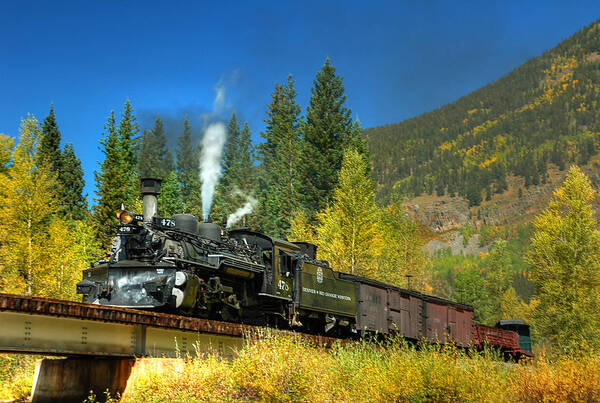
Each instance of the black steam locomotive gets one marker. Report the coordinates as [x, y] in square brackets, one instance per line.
[180, 265]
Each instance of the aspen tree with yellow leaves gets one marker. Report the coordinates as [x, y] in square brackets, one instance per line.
[27, 202]
[42, 252]
[348, 233]
[565, 266]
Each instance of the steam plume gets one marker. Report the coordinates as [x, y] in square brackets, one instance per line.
[242, 211]
[210, 163]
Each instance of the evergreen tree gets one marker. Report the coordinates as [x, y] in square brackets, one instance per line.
[235, 187]
[231, 153]
[110, 188]
[188, 169]
[128, 129]
[326, 132]
[348, 233]
[280, 160]
[72, 183]
[155, 158]
[65, 165]
[49, 142]
[223, 203]
[245, 178]
[170, 201]
[565, 266]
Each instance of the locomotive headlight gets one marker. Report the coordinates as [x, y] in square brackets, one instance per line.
[124, 216]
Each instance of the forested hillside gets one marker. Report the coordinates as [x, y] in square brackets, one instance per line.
[544, 112]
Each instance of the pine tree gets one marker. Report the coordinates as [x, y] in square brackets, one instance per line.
[235, 187]
[28, 201]
[188, 169]
[170, 201]
[128, 142]
[155, 158]
[231, 153]
[65, 165]
[223, 199]
[72, 183]
[49, 142]
[565, 266]
[326, 132]
[348, 233]
[110, 187]
[280, 155]
[244, 178]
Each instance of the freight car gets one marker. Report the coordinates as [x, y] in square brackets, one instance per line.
[179, 265]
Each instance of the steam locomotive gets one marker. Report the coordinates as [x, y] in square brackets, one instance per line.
[179, 265]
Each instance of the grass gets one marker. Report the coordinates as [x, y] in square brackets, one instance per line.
[16, 375]
[281, 368]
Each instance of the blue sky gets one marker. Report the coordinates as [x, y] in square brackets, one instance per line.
[398, 59]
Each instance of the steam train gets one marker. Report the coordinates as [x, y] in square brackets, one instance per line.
[180, 265]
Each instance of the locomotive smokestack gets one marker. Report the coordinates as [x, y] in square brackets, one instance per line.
[150, 188]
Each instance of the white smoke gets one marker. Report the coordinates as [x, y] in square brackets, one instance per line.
[219, 102]
[210, 163]
[242, 211]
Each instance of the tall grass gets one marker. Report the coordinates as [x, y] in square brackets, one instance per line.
[285, 369]
[16, 375]
[282, 368]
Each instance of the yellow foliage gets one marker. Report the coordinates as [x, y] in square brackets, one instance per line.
[284, 369]
[446, 146]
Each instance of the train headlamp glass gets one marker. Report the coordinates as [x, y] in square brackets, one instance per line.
[124, 216]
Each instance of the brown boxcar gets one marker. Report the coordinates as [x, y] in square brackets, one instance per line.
[387, 309]
[446, 321]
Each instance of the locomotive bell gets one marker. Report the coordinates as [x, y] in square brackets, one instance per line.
[150, 188]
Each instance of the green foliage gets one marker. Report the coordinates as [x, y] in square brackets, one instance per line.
[470, 289]
[327, 130]
[279, 156]
[170, 201]
[498, 279]
[49, 143]
[109, 184]
[155, 160]
[128, 145]
[117, 182]
[65, 165]
[542, 112]
[236, 185]
[72, 183]
[565, 266]
[188, 169]
[402, 253]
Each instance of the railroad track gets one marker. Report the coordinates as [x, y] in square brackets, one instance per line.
[49, 326]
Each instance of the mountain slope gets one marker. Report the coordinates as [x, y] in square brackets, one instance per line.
[544, 112]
